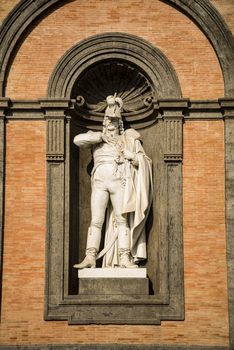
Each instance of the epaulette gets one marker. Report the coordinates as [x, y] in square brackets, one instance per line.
[133, 133]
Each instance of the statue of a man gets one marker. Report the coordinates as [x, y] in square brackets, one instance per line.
[122, 184]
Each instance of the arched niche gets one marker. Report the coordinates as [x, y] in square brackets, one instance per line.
[145, 79]
[119, 47]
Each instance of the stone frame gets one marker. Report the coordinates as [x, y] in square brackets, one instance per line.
[60, 109]
[209, 20]
[168, 303]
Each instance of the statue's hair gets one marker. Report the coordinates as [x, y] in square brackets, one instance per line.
[121, 127]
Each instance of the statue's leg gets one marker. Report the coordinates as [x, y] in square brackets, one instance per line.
[99, 201]
[125, 258]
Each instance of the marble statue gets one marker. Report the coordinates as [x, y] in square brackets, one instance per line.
[122, 184]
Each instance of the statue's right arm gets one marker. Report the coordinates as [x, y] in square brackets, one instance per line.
[88, 139]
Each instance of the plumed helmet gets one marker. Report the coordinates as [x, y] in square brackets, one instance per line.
[114, 106]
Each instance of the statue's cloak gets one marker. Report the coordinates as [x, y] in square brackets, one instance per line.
[138, 193]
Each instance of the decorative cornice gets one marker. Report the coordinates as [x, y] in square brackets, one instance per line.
[54, 106]
[204, 110]
[164, 108]
[24, 109]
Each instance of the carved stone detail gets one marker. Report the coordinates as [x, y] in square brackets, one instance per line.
[173, 115]
[173, 139]
[106, 78]
[55, 139]
[55, 119]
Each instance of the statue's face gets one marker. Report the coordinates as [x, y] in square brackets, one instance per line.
[113, 124]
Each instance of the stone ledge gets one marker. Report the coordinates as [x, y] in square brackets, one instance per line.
[112, 273]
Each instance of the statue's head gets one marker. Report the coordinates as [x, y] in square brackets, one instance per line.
[113, 112]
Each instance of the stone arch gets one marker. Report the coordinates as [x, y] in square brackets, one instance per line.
[121, 47]
[201, 11]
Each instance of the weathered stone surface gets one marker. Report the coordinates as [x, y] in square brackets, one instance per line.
[228, 107]
[112, 286]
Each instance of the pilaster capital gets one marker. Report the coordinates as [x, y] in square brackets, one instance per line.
[4, 104]
[227, 106]
[172, 111]
[55, 108]
[173, 108]
[55, 115]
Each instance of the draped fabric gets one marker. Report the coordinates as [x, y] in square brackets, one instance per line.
[136, 203]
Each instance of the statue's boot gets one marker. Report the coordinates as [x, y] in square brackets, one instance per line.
[89, 260]
[125, 258]
[92, 247]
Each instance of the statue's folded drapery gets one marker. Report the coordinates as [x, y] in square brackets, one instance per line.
[137, 199]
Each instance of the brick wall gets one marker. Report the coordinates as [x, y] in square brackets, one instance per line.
[225, 8]
[169, 30]
[206, 318]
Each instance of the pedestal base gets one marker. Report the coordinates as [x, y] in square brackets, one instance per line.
[113, 281]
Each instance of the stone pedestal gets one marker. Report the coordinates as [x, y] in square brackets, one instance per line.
[113, 281]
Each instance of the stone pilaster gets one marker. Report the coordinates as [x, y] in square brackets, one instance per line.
[55, 115]
[4, 103]
[227, 106]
